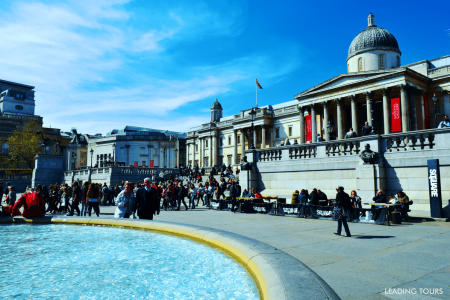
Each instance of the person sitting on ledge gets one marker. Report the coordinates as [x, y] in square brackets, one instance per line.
[295, 197]
[322, 195]
[33, 204]
[314, 197]
[295, 142]
[287, 142]
[404, 200]
[245, 194]
[258, 196]
[445, 123]
[303, 197]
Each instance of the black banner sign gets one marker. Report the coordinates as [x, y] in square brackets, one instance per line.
[434, 185]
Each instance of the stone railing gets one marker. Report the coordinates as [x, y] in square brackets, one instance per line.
[269, 155]
[343, 147]
[410, 141]
[298, 152]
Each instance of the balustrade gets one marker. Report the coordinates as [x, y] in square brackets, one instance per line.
[343, 148]
[410, 142]
[270, 155]
[302, 152]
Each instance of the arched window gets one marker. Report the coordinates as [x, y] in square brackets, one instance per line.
[398, 61]
[381, 61]
[360, 64]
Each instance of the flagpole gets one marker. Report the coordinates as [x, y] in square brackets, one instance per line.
[256, 86]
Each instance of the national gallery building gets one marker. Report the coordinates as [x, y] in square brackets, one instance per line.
[377, 88]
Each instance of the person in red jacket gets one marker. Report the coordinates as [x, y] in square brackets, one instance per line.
[33, 204]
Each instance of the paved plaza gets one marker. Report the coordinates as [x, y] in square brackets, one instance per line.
[375, 258]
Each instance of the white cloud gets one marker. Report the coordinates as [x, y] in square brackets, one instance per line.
[82, 58]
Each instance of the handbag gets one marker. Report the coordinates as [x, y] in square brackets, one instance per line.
[339, 213]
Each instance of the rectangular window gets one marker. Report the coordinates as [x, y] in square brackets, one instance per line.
[290, 131]
[229, 160]
[277, 133]
[205, 161]
[239, 158]
[142, 150]
[239, 139]
[196, 147]
[229, 140]
[206, 143]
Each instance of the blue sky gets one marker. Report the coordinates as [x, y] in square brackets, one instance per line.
[99, 65]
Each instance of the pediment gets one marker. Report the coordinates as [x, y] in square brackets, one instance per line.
[344, 80]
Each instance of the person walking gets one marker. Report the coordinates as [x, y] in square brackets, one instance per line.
[93, 199]
[76, 199]
[181, 194]
[342, 205]
[192, 195]
[84, 199]
[233, 196]
[200, 194]
[147, 203]
[105, 194]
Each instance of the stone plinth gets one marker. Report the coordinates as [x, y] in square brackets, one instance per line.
[48, 170]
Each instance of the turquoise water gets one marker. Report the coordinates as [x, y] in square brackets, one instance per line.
[87, 262]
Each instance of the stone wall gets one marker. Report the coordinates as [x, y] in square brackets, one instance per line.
[400, 164]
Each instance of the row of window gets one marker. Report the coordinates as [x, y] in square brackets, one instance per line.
[381, 63]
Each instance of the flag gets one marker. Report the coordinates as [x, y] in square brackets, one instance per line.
[257, 83]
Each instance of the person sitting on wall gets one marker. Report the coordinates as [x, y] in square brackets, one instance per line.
[367, 129]
[287, 142]
[322, 195]
[404, 200]
[258, 196]
[295, 197]
[303, 197]
[350, 134]
[319, 138]
[445, 123]
[33, 204]
[295, 142]
[314, 197]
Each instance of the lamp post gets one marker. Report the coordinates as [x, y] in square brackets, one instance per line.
[435, 100]
[330, 128]
[92, 156]
[252, 114]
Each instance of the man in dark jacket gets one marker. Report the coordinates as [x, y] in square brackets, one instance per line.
[322, 195]
[343, 202]
[182, 192]
[367, 129]
[76, 199]
[314, 197]
[233, 196]
[146, 202]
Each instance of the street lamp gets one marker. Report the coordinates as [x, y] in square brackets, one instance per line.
[252, 114]
[114, 152]
[92, 156]
[330, 129]
[435, 100]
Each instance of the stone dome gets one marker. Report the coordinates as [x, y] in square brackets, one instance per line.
[373, 38]
[216, 105]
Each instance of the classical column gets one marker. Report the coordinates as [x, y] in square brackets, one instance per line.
[242, 142]
[313, 123]
[128, 154]
[340, 126]
[301, 111]
[201, 152]
[235, 146]
[353, 99]
[187, 154]
[404, 106]
[422, 110]
[193, 155]
[369, 107]
[412, 106]
[263, 136]
[214, 149]
[325, 120]
[386, 111]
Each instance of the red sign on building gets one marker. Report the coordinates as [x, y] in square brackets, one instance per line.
[152, 164]
[309, 136]
[396, 115]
